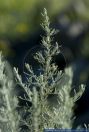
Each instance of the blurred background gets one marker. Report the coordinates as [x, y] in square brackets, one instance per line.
[20, 31]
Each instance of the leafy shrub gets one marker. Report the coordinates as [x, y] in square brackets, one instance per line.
[9, 118]
[48, 92]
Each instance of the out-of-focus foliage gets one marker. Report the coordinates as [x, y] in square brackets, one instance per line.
[55, 6]
[85, 46]
[82, 9]
[5, 47]
[20, 17]
[9, 118]
[15, 16]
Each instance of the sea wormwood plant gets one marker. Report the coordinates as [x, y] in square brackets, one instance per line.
[9, 119]
[48, 87]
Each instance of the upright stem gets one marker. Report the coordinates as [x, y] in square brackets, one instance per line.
[35, 110]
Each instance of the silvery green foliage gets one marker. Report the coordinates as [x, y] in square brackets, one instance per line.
[49, 92]
[8, 102]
